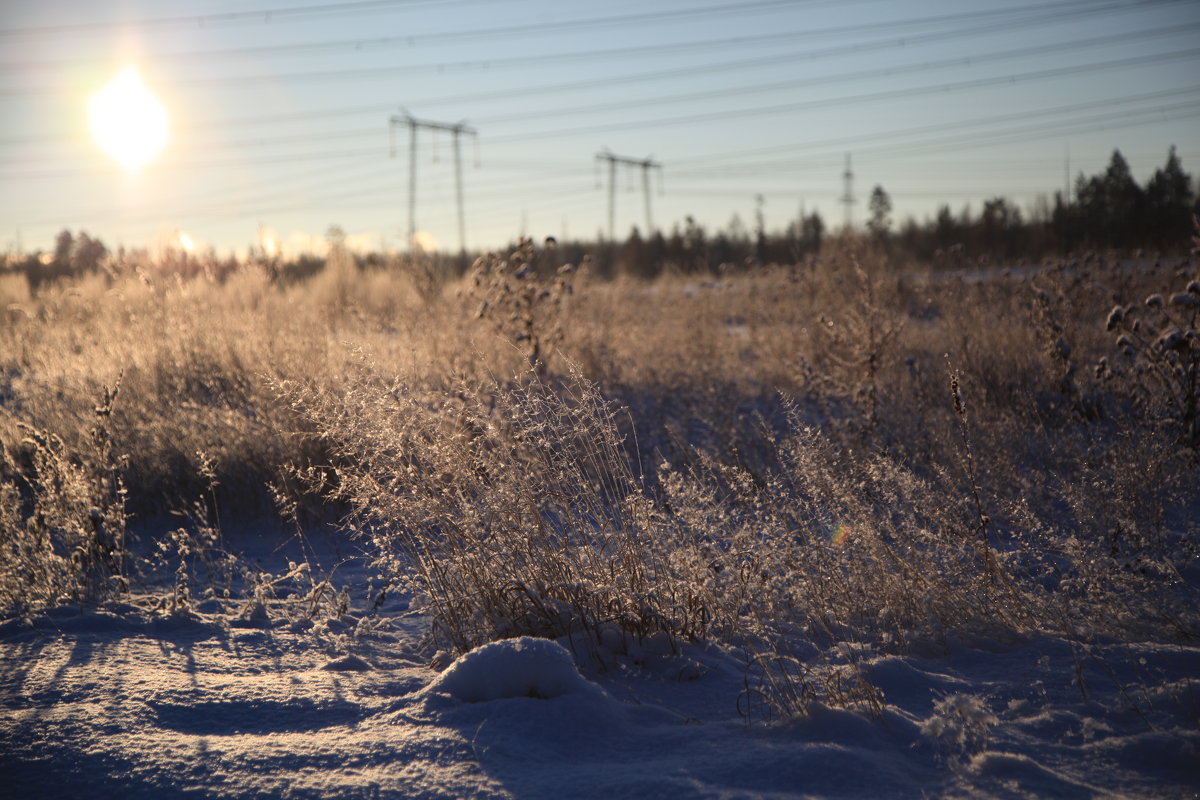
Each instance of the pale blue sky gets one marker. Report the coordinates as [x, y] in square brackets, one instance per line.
[281, 119]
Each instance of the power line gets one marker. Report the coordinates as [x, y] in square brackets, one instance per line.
[508, 189]
[1112, 121]
[265, 15]
[410, 40]
[501, 31]
[1070, 11]
[708, 116]
[924, 130]
[225, 124]
[236, 161]
[681, 119]
[980, 58]
[890, 94]
[369, 199]
[244, 194]
[639, 78]
[961, 61]
[295, 183]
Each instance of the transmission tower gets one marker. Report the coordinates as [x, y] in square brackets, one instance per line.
[456, 130]
[847, 198]
[1067, 177]
[646, 164]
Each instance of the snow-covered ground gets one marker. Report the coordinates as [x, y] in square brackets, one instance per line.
[124, 703]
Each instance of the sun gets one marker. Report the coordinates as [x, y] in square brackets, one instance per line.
[127, 121]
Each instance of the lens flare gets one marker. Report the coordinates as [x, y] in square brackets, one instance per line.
[269, 241]
[127, 121]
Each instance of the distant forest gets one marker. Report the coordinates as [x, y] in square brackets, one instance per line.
[1109, 211]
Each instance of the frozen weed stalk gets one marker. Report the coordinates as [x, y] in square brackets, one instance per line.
[779, 687]
[859, 339]
[959, 725]
[63, 536]
[1159, 358]
[521, 302]
[199, 540]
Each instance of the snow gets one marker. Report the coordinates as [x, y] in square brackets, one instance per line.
[523, 667]
[348, 663]
[124, 703]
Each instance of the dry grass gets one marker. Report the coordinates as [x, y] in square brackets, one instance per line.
[843, 450]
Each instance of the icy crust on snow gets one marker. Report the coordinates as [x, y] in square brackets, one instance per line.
[120, 704]
[522, 667]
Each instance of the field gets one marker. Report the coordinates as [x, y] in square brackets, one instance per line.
[846, 527]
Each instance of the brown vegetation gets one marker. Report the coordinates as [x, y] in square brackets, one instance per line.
[837, 450]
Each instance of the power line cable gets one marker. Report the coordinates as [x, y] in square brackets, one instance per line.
[888, 71]
[1113, 121]
[719, 115]
[740, 90]
[891, 94]
[495, 31]
[511, 192]
[507, 188]
[266, 15]
[923, 130]
[368, 196]
[1072, 13]
[411, 40]
[384, 188]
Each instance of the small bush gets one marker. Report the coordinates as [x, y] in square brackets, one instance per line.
[62, 521]
[511, 509]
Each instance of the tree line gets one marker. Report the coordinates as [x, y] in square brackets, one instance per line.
[1106, 211]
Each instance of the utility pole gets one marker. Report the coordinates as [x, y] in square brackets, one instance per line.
[847, 198]
[456, 129]
[646, 164]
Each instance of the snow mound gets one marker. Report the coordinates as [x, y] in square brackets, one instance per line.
[524, 667]
[348, 663]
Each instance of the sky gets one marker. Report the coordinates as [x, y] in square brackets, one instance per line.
[285, 117]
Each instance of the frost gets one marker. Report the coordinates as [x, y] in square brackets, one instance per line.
[1185, 300]
[959, 724]
[1172, 339]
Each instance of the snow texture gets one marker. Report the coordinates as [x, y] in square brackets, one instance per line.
[123, 704]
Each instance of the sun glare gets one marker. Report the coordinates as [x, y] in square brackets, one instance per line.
[127, 121]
